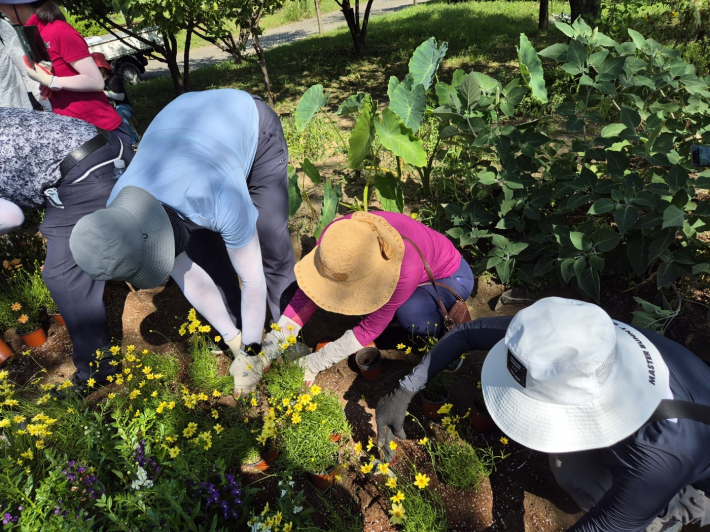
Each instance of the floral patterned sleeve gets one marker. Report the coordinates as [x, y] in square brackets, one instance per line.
[32, 146]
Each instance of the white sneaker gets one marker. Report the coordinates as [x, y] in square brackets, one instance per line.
[247, 372]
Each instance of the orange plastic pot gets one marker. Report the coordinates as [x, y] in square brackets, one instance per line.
[35, 339]
[6, 351]
[323, 481]
[481, 422]
[369, 361]
[335, 438]
[58, 318]
[321, 345]
[265, 463]
[431, 408]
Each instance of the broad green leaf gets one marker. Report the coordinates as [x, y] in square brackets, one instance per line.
[558, 52]
[311, 102]
[579, 240]
[531, 69]
[601, 206]
[667, 273]
[630, 117]
[596, 262]
[514, 248]
[332, 195]
[425, 61]
[673, 217]
[677, 177]
[469, 91]
[390, 192]
[637, 252]
[487, 84]
[565, 28]
[625, 217]
[504, 269]
[611, 68]
[447, 95]
[398, 138]
[643, 320]
[605, 239]
[588, 281]
[576, 54]
[409, 105]
[499, 241]
[567, 269]
[660, 244]
[295, 198]
[612, 130]
[351, 104]
[362, 135]
[311, 171]
[638, 39]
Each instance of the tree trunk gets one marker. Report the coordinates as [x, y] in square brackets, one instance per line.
[544, 19]
[357, 31]
[589, 9]
[170, 44]
[262, 63]
[186, 59]
[320, 21]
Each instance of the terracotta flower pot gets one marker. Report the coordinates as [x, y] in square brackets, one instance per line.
[431, 408]
[265, 463]
[5, 352]
[35, 339]
[321, 345]
[369, 361]
[323, 481]
[58, 318]
[481, 422]
[335, 438]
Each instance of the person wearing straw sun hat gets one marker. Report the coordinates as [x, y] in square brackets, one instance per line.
[369, 264]
[563, 378]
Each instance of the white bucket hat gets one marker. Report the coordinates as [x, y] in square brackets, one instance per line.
[567, 378]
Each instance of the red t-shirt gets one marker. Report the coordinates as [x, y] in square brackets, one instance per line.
[66, 45]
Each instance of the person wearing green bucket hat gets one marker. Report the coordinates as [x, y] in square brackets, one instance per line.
[624, 413]
[205, 202]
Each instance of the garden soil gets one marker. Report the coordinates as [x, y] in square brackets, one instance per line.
[521, 495]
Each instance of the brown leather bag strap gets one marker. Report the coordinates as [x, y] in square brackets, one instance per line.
[444, 312]
[442, 285]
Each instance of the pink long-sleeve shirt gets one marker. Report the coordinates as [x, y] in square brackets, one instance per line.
[443, 258]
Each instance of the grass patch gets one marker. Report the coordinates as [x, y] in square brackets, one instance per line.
[480, 34]
[204, 370]
[458, 464]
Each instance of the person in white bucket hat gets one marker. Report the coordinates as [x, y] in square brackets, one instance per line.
[563, 378]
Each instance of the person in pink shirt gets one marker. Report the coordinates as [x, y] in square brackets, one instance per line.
[366, 264]
[74, 83]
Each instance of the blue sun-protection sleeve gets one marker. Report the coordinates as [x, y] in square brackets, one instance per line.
[478, 335]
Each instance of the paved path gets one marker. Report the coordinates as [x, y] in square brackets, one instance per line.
[210, 55]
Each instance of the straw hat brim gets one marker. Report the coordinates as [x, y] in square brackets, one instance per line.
[562, 428]
[361, 297]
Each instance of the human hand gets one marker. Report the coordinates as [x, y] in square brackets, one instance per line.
[389, 413]
[39, 74]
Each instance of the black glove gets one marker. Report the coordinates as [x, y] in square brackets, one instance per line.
[390, 413]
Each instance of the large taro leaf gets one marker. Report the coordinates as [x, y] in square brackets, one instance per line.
[311, 102]
[311, 171]
[531, 69]
[425, 61]
[390, 192]
[409, 104]
[398, 138]
[362, 135]
[332, 195]
[469, 91]
[294, 191]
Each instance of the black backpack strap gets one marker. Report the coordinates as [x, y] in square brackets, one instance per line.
[669, 409]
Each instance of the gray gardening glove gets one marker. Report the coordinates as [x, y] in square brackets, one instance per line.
[390, 412]
[275, 338]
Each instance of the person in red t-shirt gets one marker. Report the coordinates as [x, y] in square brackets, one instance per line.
[75, 83]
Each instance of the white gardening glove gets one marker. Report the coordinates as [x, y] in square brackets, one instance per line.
[331, 354]
[278, 336]
[39, 74]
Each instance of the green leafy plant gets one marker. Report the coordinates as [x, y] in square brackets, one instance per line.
[437, 389]
[618, 194]
[654, 317]
[458, 463]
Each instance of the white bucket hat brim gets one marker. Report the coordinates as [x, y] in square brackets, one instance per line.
[551, 427]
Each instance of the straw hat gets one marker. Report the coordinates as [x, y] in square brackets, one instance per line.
[356, 267]
[568, 378]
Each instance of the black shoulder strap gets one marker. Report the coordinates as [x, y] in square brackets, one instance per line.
[669, 409]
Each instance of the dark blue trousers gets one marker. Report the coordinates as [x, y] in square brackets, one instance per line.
[79, 298]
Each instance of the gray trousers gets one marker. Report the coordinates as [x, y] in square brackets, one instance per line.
[268, 189]
[79, 298]
[584, 477]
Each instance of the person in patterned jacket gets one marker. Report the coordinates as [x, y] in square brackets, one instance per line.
[66, 166]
